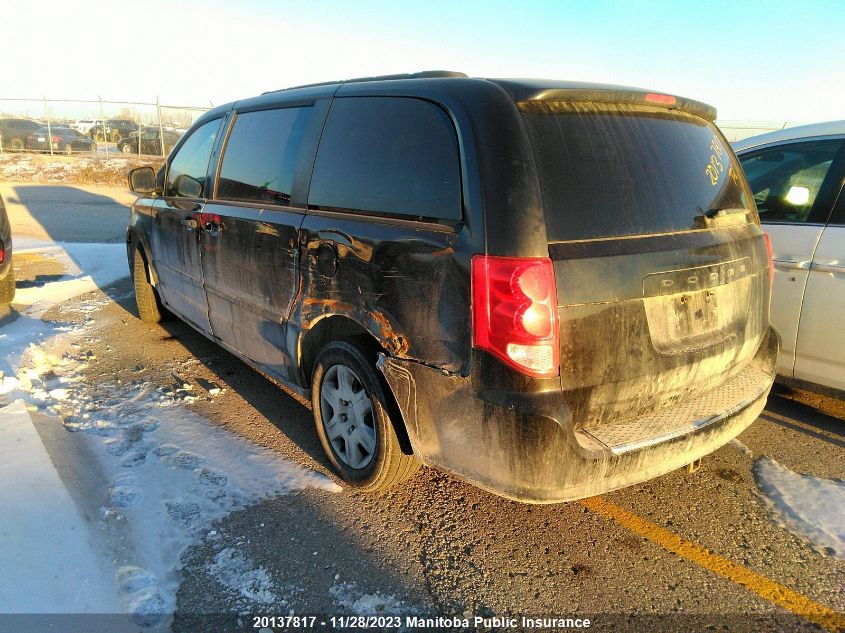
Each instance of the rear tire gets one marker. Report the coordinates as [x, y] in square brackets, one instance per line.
[362, 447]
[7, 288]
[149, 305]
[15, 145]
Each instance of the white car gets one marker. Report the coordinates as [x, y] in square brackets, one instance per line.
[84, 125]
[796, 176]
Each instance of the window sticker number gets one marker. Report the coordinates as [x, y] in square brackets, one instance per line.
[715, 167]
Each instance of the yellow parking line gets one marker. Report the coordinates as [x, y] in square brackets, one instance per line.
[762, 586]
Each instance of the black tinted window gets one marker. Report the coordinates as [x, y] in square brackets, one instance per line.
[191, 161]
[388, 155]
[786, 180]
[261, 154]
[612, 170]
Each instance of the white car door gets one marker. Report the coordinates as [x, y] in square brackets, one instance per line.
[820, 350]
[794, 192]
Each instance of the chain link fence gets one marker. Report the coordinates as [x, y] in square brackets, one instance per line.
[738, 130]
[92, 127]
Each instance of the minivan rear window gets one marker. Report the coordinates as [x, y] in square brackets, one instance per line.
[610, 170]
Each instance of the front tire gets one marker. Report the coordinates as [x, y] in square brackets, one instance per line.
[149, 305]
[351, 414]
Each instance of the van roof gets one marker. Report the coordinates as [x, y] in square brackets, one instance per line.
[522, 90]
[430, 83]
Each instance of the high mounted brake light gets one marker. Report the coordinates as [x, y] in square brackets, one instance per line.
[514, 308]
[655, 97]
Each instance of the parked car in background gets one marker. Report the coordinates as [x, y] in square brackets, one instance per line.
[796, 176]
[150, 139]
[13, 133]
[85, 126]
[63, 139]
[549, 289]
[7, 271]
[113, 130]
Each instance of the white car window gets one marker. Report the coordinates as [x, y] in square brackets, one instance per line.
[786, 180]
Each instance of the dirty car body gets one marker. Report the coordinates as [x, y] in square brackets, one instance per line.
[551, 319]
[7, 270]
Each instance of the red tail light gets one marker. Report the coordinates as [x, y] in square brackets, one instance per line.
[771, 261]
[514, 312]
[2, 252]
[56, 139]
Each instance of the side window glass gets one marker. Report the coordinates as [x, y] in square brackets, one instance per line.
[260, 156]
[786, 180]
[187, 171]
[393, 156]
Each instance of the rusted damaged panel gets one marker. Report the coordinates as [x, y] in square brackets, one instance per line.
[406, 287]
[380, 326]
[533, 453]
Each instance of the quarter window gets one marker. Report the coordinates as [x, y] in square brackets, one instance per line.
[393, 156]
[261, 154]
[187, 172]
[786, 180]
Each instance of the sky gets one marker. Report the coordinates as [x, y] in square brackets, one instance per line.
[767, 60]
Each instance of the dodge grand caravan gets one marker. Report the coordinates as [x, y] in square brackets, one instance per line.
[548, 289]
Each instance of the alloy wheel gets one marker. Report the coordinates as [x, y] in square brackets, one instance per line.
[348, 417]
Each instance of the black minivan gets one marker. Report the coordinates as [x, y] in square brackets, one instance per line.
[549, 289]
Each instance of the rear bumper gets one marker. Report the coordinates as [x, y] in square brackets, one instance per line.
[529, 450]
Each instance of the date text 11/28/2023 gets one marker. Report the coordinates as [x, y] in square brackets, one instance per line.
[416, 622]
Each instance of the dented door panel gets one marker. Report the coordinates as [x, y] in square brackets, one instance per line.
[250, 270]
[405, 283]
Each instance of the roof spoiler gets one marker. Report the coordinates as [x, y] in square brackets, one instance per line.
[425, 74]
[632, 97]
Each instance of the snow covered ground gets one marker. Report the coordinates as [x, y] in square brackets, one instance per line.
[157, 477]
[812, 509]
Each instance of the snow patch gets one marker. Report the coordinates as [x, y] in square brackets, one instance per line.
[87, 267]
[248, 584]
[812, 509]
[41, 573]
[164, 473]
[743, 448]
[348, 596]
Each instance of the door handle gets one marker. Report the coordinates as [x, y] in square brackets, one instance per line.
[828, 268]
[211, 222]
[790, 263]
